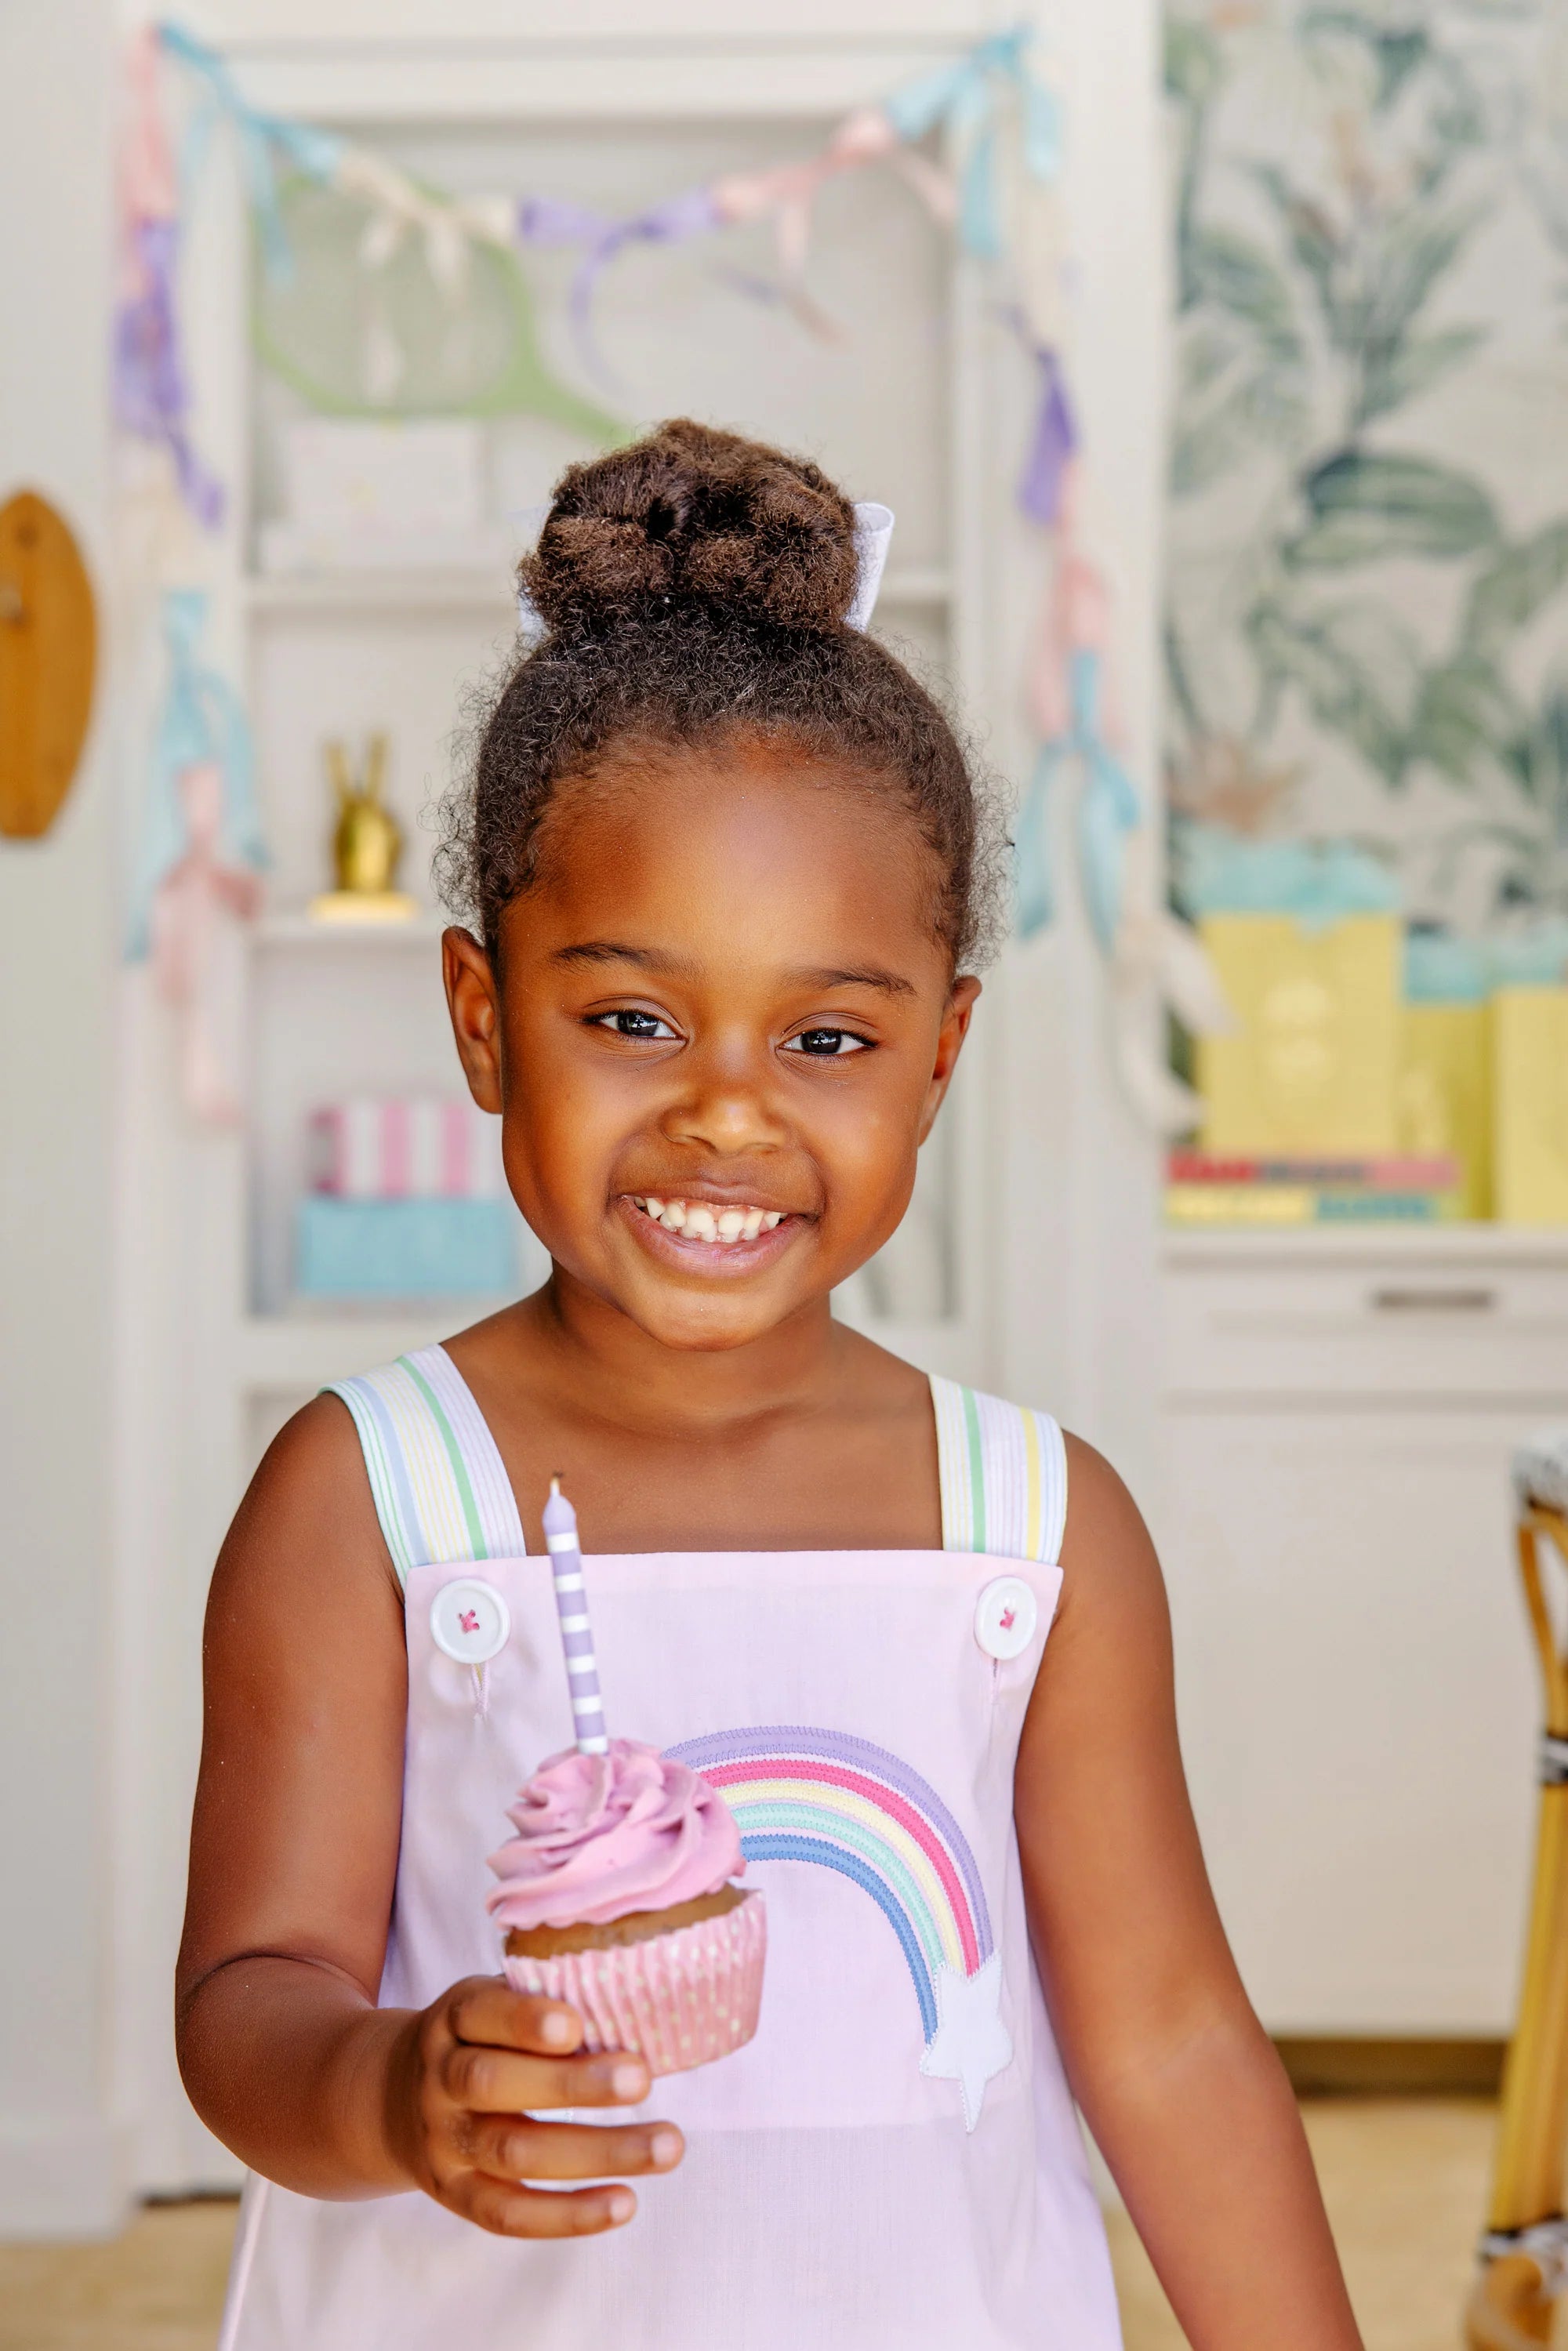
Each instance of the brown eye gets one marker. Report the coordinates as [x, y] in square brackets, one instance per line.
[630, 1020]
[827, 1044]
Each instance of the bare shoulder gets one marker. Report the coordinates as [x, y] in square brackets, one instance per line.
[1107, 1664]
[304, 1542]
[1108, 1560]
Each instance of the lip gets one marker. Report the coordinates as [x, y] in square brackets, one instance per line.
[715, 1260]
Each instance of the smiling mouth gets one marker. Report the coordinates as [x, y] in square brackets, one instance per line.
[704, 1226]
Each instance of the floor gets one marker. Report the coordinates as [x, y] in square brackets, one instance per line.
[1405, 2182]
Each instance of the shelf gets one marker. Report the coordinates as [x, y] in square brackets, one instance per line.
[920, 584]
[297, 929]
[276, 1352]
[381, 591]
[350, 593]
[1455, 1244]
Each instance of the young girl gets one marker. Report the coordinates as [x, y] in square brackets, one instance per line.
[729, 882]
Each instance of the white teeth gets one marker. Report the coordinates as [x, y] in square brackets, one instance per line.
[699, 1222]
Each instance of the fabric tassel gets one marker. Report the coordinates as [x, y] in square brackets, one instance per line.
[202, 724]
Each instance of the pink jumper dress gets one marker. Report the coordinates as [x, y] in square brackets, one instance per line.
[894, 2162]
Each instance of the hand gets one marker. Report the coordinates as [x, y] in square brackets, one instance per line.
[466, 2076]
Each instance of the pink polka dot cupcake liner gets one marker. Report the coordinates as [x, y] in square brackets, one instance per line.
[678, 1998]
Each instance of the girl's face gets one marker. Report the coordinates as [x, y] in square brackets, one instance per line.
[721, 1029]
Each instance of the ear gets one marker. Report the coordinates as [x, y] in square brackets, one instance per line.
[955, 1016]
[472, 1000]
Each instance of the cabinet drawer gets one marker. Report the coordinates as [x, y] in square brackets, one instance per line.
[1472, 1321]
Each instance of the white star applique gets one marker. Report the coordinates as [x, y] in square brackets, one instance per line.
[970, 2043]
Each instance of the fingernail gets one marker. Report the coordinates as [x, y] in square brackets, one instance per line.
[621, 2205]
[556, 2028]
[629, 2082]
[664, 2148]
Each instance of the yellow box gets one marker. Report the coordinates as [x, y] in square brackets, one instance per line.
[1314, 1066]
[1444, 1094]
[1530, 1105]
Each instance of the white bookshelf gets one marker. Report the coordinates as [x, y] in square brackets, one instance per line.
[1368, 1245]
[910, 588]
[286, 930]
[334, 1009]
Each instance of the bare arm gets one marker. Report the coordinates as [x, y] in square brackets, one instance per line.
[1179, 2083]
[293, 1860]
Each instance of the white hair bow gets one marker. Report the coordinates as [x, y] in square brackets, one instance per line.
[873, 535]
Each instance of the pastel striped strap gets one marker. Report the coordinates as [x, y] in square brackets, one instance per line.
[1004, 1475]
[440, 1488]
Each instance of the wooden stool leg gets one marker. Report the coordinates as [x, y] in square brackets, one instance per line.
[1526, 2245]
[1510, 2308]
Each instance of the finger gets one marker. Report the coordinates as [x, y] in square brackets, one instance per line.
[509, 2211]
[516, 2147]
[487, 2011]
[496, 2082]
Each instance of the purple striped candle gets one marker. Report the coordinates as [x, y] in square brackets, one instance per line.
[575, 1633]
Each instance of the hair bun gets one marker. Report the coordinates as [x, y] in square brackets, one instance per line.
[693, 515]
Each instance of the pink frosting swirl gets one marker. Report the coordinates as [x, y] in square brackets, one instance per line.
[599, 1835]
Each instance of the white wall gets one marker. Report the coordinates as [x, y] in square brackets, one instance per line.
[59, 2165]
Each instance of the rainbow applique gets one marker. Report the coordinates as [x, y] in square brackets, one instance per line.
[822, 1796]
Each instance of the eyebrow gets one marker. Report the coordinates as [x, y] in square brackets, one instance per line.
[890, 983]
[596, 951]
[612, 951]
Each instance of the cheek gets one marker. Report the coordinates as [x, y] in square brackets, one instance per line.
[564, 1118]
[866, 1136]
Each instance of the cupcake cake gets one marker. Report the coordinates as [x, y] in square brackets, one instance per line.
[616, 1894]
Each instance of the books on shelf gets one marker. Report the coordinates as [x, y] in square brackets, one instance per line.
[1404, 1173]
[444, 1247]
[1210, 1188]
[408, 1199]
[414, 1146]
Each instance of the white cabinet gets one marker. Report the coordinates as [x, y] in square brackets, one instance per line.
[1358, 1693]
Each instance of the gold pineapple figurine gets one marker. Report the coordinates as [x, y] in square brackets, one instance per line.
[367, 843]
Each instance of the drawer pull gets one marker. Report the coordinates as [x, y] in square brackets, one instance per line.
[1434, 1301]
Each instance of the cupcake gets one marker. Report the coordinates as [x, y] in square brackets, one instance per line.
[615, 1896]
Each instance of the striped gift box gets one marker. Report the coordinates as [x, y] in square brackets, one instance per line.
[409, 1147]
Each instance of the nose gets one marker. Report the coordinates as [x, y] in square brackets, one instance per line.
[726, 1103]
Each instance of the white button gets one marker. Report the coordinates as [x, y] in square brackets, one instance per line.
[469, 1621]
[1005, 1617]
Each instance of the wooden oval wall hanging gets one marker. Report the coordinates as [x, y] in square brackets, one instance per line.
[49, 641]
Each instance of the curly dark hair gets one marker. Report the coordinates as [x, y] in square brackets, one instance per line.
[693, 588]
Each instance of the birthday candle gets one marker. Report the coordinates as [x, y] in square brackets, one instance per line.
[575, 1633]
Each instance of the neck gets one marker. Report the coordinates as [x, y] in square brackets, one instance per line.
[605, 1367]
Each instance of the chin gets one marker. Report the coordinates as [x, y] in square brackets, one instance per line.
[707, 1326]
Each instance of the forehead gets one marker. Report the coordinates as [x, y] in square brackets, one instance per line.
[753, 856]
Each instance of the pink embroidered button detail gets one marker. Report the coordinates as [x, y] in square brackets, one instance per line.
[1006, 1617]
[469, 1621]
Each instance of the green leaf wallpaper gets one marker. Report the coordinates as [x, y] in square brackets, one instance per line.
[1367, 628]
